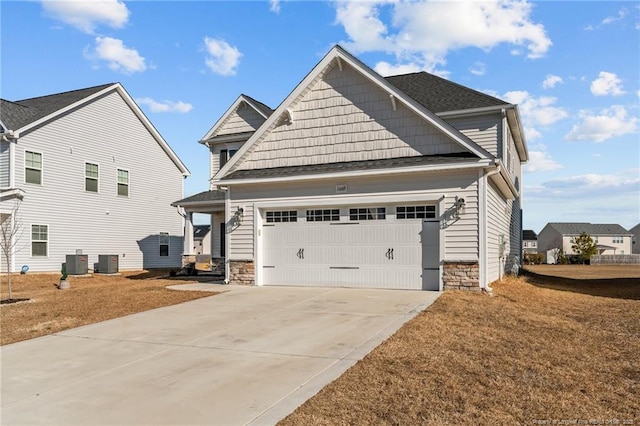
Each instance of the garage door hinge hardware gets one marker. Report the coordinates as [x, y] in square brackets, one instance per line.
[389, 254]
[300, 254]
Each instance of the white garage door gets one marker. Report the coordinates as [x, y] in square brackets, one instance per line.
[390, 253]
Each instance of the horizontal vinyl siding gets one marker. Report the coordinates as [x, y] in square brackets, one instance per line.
[5, 162]
[243, 119]
[461, 236]
[105, 132]
[344, 117]
[486, 131]
[503, 218]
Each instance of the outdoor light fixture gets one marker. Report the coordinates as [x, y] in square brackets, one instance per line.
[237, 216]
[458, 207]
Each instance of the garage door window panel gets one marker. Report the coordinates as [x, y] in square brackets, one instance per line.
[370, 213]
[281, 216]
[415, 212]
[324, 215]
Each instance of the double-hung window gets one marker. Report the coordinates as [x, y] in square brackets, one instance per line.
[123, 182]
[33, 167]
[164, 244]
[39, 240]
[225, 155]
[91, 177]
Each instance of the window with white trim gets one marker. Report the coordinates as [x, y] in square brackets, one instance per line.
[90, 177]
[368, 213]
[618, 239]
[324, 215]
[415, 212]
[123, 182]
[39, 240]
[281, 216]
[225, 156]
[33, 167]
[164, 244]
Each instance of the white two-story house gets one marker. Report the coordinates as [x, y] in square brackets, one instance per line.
[85, 172]
[410, 181]
[609, 238]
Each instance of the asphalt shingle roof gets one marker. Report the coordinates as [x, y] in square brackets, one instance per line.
[589, 228]
[441, 95]
[529, 235]
[351, 166]
[205, 196]
[18, 114]
[200, 231]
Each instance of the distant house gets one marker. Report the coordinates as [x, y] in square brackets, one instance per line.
[95, 177]
[635, 244]
[358, 180]
[529, 241]
[202, 239]
[609, 238]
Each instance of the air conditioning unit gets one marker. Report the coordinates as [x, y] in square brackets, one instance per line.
[77, 264]
[108, 263]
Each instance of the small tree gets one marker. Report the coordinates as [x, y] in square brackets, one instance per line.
[584, 247]
[10, 233]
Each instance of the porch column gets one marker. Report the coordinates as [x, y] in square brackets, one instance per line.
[188, 234]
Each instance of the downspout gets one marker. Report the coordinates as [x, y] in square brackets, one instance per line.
[485, 259]
[227, 247]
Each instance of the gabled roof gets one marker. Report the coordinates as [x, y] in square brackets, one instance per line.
[18, 114]
[24, 115]
[337, 55]
[590, 228]
[529, 235]
[441, 95]
[258, 106]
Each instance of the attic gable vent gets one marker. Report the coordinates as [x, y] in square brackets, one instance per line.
[285, 118]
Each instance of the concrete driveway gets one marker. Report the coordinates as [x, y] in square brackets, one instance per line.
[248, 356]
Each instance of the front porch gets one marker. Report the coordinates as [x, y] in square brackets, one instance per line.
[211, 203]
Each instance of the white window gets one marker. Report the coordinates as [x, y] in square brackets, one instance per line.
[39, 240]
[123, 182]
[90, 177]
[33, 167]
[415, 212]
[618, 239]
[282, 216]
[325, 215]
[164, 244]
[368, 213]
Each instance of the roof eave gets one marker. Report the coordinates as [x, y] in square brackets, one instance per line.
[357, 173]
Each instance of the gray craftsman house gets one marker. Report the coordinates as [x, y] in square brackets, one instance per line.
[410, 181]
[87, 166]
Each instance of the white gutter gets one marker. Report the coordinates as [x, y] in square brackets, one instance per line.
[474, 111]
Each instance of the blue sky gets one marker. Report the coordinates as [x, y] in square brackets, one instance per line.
[573, 67]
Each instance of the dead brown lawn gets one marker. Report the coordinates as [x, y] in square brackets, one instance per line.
[90, 299]
[541, 349]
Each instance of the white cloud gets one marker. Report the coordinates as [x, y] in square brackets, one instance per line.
[478, 68]
[274, 6]
[541, 161]
[222, 58]
[424, 32]
[119, 57]
[609, 123]
[536, 111]
[611, 19]
[607, 83]
[551, 81]
[386, 69]
[165, 106]
[87, 15]
[588, 186]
